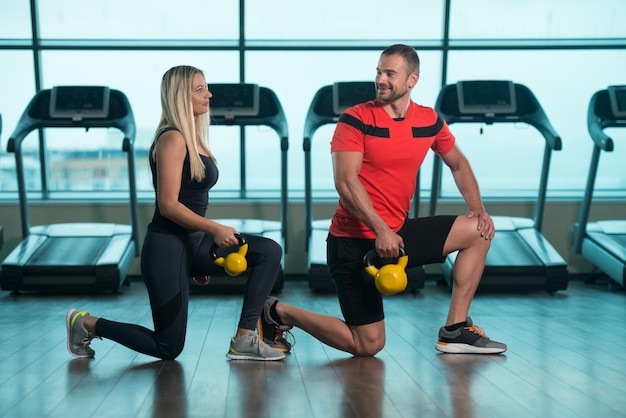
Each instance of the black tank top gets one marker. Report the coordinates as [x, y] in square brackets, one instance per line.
[193, 194]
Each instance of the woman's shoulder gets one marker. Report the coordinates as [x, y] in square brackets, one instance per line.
[171, 141]
[168, 132]
[170, 136]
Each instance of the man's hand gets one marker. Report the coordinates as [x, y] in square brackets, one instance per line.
[485, 224]
[388, 244]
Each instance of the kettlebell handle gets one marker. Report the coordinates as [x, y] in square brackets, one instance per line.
[240, 238]
[367, 260]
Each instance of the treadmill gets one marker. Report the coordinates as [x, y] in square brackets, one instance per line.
[1, 227]
[520, 258]
[246, 104]
[72, 257]
[603, 242]
[328, 104]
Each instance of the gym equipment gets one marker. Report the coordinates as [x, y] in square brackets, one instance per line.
[234, 263]
[245, 104]
[72, 257]
[1, 227]
[325, 108]
[603, 242]
[521, 258]
[389, 279]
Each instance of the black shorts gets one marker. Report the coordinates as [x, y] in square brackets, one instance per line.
[360, 301]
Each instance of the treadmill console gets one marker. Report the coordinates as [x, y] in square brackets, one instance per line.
[232, 100]
[486, 97]
[78, 102]
[349, 93]
[617, 97]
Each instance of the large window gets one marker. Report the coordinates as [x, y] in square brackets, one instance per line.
[562, 51]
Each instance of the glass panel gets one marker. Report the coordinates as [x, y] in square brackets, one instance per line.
[506, 159]
[563, 80]
[313, 70]
[559, 82]
[533, 19]
[142, 87]
[224, 142]
[343, 20]
[263, 157]
[17, 84]
[15, 20]
[141, 19]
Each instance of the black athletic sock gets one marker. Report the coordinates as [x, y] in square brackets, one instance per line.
[274, 314]
[454, 327]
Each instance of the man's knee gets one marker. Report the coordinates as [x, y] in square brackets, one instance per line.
[369, 349]
[464, 235]
[369, 339]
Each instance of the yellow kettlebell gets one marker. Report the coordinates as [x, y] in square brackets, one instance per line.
[234, 263]
[390, 278]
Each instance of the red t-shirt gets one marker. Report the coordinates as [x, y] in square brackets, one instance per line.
[393, 151]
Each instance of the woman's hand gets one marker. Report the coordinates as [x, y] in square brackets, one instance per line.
[224, 236]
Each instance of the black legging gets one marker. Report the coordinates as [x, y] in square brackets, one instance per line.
[167, 262]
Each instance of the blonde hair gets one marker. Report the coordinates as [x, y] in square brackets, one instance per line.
[177, 113]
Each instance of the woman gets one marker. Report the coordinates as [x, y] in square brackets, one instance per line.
[179, 240]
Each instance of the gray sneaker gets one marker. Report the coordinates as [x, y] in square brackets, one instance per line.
[251, 347]
[78, 338]
[470, 339]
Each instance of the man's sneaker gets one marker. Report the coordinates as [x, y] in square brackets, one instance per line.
[273, 336]
[78, 338]
[469, 339]
[271, 332]
[251, 347]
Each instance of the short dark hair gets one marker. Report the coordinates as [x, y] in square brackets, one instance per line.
[408, 53]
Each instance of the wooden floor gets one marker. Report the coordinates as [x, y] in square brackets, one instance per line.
[566, 358]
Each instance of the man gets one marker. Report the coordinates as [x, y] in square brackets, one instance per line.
[377, 149]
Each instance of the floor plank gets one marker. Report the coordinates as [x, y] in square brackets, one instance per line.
[566, 357]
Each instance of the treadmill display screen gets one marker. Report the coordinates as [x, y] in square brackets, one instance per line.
[617, 96]
[486, 97]
[349, 93]
[79, 102]
[238, 99]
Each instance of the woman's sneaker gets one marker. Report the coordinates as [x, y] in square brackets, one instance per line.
[251, 347]
[470, 339]
[78, 338]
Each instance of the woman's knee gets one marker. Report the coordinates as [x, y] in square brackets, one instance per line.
[170, 348]
[264, 248]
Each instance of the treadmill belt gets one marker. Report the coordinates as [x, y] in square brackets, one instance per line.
[69, 251]
[614, 243]
[620, 239]
[509, 249]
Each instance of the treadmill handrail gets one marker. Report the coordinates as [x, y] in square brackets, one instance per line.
[28, 123]
[312, 122]
[271, 114]
[599, 117]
